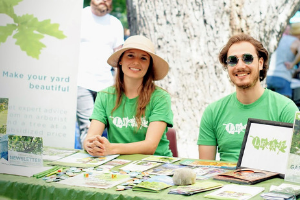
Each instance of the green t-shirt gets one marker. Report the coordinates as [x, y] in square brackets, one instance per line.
[223, 122]
[122, 126]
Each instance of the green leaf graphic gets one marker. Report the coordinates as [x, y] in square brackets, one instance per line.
[6, 31]
[28, 28]
[29, 42]
[6, 6]
[46, 27]
[27, 20]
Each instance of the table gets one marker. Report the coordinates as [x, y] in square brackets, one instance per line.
[18, 187]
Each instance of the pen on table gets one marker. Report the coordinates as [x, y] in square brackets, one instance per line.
[42, 174]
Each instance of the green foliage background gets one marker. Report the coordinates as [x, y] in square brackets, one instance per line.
[26, 144]
[119, 10]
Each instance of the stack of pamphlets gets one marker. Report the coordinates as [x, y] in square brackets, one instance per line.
[282, 192]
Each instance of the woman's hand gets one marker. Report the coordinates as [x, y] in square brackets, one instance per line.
[98, 146]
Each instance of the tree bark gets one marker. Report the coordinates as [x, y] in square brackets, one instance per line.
[189, 35]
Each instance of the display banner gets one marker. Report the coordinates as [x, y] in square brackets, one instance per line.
[293, 164]
[39, 48]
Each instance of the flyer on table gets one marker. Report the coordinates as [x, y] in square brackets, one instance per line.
[39, 47]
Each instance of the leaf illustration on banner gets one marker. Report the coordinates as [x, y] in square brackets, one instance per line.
[6, 31]
[6, 6]
[29, 30]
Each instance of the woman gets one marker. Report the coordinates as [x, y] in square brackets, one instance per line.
[134, 110]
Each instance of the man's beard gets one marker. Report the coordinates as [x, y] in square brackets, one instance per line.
[247, 85]
[102, 9]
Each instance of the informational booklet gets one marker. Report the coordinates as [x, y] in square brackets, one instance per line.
[217, 164]
[293, 166]
[25, 151]
[140, 166]
[162, 159]
[53, 153]
[235, 192]
[165, 169]
[96, 179]
[195, 188]
[83, 160]
[245, 176]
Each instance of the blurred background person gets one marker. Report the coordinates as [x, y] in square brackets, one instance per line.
[283, 60]
[101, 35]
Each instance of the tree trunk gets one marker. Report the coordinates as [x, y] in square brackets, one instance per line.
[189, 35]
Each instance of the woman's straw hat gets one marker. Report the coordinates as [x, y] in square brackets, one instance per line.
[160, 66]
[295, 29]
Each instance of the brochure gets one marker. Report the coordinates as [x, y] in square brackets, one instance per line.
[53, 153]
[235, 192]
[114, 163]
[245, 176]
[162, 159]
[165, 169]
[152, 185]
[96, 179]
[82, 160]
[195, 188]
[25, 151]
[139, 166]
[293, 165]
[161, 178]
[217, 164]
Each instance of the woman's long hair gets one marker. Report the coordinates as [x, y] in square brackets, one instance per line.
[147, 88]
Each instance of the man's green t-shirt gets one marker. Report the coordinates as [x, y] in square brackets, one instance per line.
[223, 122]
[121, 124]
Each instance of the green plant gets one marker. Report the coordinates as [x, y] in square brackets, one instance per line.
[27, 29]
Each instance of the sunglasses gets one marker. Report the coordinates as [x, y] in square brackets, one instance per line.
[246, 58]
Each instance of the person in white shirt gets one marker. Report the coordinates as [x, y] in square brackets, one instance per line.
[101, 35]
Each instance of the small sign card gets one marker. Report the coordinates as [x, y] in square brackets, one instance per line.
[293, 164]
[266, 146]
[25, 151]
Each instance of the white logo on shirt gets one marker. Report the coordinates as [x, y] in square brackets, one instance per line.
[231, 128]
[125, 122]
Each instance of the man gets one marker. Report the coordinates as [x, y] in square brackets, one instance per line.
[283, 60]
[101, 35]
[223, 122]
